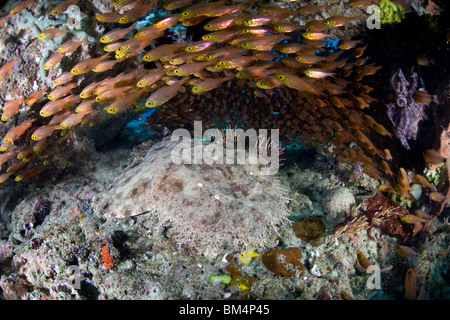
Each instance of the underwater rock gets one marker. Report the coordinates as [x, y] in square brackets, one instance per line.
[283, 262]
[309, 228]
[208, 205]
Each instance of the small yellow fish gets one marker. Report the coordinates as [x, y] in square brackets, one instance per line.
[162, 50]
[164, 94]
[386, 188]
[137, 12]
[409, 218]
[269, 82]
[315, 35]
[199, 9]
[120, 3]
[70, 46]
[35, 96]
[207, 85]
[21, 5]
[338, 21]
[410, 285]
[222, 23]
[199, 46]
[60, 92]
[5, 70]
[116, 34]
[348, 44]
[297, 83]
[124, 102]
[151, 77]
[406, 252]
[259, 20]
[63, 78]
[363, 261]
[286, 27]
[72, 120]
[317, 73]
[176, 4]
[43, 132]
[105, 65]
[52, 107]
[53, 60]
[17, 131]
[311, 8]
[219, 36]
[190, 68]
[87, 65]
[112, 94]
[5, 157]
[108, 17]
[423, 97]
[85, 106]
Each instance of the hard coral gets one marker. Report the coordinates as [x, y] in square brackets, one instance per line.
[208, 205]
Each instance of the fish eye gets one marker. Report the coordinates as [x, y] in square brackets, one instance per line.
[102, 39]
[185, 13]
[208, 26]
[110, 110]
[122, 19]
[33, 137]
[54, 12]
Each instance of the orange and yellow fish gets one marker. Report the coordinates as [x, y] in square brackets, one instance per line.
[70, 46]
[11, 107]
[62, 7]
[5, 70]
[53, 60]
[164, 94]
[35, 96]
[116, 34]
